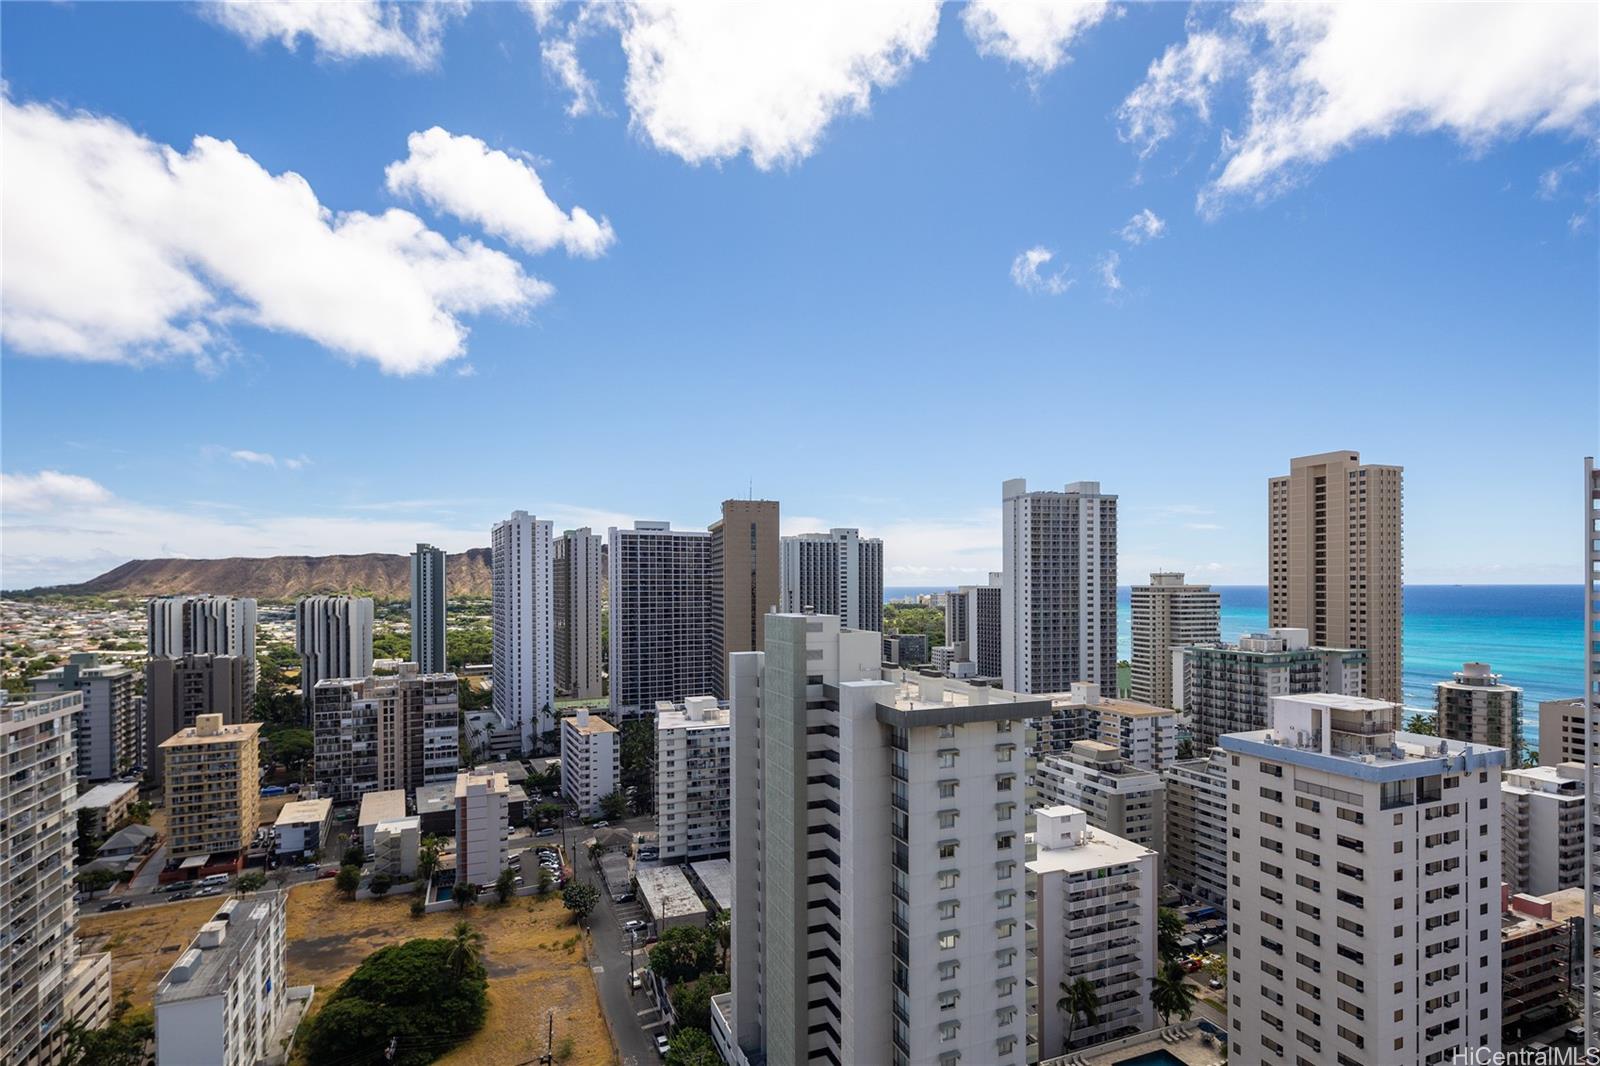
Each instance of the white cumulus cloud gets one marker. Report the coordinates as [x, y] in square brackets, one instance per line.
[461, 176]
[1031, 33]
[710, 80]
[48, 489]
[344, 29]
[1144, 226]
[1108, 266]
[1027, 272]
[245, 455]
[121, 249]
[1323, 78]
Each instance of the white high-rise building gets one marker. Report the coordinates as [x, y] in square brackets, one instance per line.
[428, 609]
[391, 731]
[1591, 755]
[591, 766]
[694, 789]
[523, 616]
[110, 730]
[839, 572]
[972, 626]
[1095, 918]
[1118, 796]
[333, 635]
[577, 614]
[1145, 736]
[1228, 688]
[177, 626]
[1543, 828]
[42, 970]
[225, 1001]
[1196, 859]
[878, 854]
[1168, 614]
[662, 600]
[1365, 897]
[1059, 589]
[483, 812]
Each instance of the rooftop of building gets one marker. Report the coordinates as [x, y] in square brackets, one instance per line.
[515, 772]
[1566, 904]
[304, 812]
[922, 700]
[587, 724]
[382, 806]
[1476, 677]
[1066, 843]
[696, 712]
[206, 967]
[467, 780]
[1566, 777]
[105, 794]
[200, 734]
[716, 877]
[667, 893]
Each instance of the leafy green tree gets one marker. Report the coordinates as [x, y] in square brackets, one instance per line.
[1424, 725]
[613, 806]
[1171, 994]
[353, 856]
[580, 899]
[138, 813]
[506, 884]
[294, 747]
[475, 645]
[1078, 999]
[380, 884]
[682, 954]
[1169, 930]
[546, 879]
[1185, 749]
[348, 880]
[465, 894]
[914, 618]
[419, 906]
[92, 881]
[121, 1042]
[720, 929]
[692, 999]
[391, 645]
[638, 756]
[466, 947]
[412, 993]
[546, 814]
[692, 1047]
[428, 858]
[88, 842]
[253, 881]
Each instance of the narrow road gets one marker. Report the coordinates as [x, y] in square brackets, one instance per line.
[609, 961]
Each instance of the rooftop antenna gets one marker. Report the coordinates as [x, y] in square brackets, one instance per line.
[751, 491]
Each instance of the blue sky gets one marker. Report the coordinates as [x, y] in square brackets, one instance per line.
[801, 264]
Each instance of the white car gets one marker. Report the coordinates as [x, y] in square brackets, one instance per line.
[632, 925]
[661, 1045]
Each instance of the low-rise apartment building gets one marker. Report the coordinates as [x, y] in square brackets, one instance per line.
[1542, 808]
[1196, 859]
[693, 779]
[482, 826]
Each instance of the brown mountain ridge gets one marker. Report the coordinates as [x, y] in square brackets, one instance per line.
[282, 577]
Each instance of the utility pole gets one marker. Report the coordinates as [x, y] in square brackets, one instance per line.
[549, 1040]
[631, 934]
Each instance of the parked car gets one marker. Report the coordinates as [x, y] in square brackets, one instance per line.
[329, 872]
[176, 896]
[547, 831]
[633, 925]
[1215, 983]
[115, 905]
[661, 1045]
[209, 890]
[602, 824]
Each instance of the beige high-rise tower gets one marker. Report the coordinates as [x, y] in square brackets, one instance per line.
[1334, 559]
[743, 562]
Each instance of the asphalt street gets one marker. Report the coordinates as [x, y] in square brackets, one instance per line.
[633, 1016]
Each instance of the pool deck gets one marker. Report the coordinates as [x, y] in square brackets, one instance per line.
[1185, 1042]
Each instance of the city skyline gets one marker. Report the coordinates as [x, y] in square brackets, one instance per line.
[1023, 209]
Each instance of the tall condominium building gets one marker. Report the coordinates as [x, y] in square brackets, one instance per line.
[225, 1001]
[204, 625]
[1543, 828]
[428, 609]
[1228, 688]
[1145, 736]
[1168, 614]
[483, 810]
[1591, 752]
[577, 583]
[1095, 921]
[523, 610]
[333, 635]
[694, 810]
[1059, 589]
[1196, 858]
[390, 731]
[742, 558]
[878, 854]
[591, 755]
[1561, 725]
[109, 731]
[1117, 796]
[661, 617]
[1365, 898]
[213, 788]
[972, 626]
[1334, 559]
[1476, 707]
[839, 572]
[178, 690]
[46, 982]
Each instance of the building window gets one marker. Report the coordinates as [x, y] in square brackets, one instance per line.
[948, 939]
[947, 759]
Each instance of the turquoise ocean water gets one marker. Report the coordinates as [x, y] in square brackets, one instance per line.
[1530, 634]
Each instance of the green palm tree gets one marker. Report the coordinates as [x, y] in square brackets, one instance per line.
[720, 927]
[428, 858]
[1171, 994]
[1078, 998]
[466, 947]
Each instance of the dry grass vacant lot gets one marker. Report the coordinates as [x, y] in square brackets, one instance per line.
[534, 958]
[144, 942]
